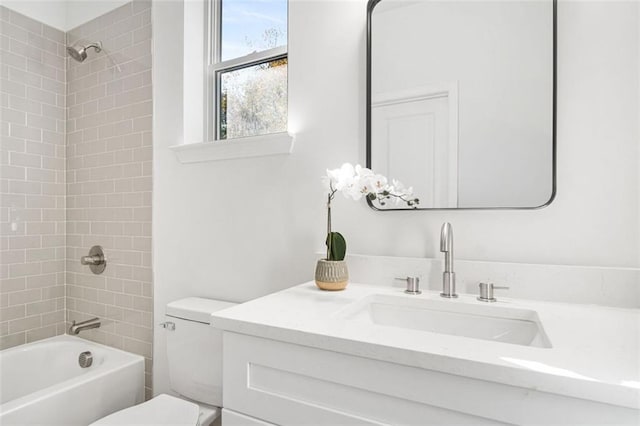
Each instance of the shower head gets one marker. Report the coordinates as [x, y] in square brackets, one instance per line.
[79, 53]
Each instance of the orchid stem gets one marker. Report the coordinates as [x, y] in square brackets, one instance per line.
[329, 225]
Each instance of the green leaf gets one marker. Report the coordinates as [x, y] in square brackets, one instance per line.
[338, 246]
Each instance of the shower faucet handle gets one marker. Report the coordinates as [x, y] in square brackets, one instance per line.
[96, 260]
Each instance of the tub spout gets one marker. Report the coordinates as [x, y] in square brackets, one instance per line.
[77, 327]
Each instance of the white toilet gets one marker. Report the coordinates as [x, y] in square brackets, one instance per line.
[194, 353]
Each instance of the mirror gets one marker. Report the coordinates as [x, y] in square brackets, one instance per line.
[461, 100]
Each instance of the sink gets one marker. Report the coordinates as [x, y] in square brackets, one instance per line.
[457, 318]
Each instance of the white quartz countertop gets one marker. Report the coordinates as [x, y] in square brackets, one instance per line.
[595, 353]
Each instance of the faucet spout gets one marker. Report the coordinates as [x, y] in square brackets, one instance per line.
[446, 245]
[448, 276]
[77, 327]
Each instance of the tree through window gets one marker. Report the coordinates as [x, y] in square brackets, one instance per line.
[249, 67]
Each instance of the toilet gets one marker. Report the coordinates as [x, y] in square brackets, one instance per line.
[194, 354]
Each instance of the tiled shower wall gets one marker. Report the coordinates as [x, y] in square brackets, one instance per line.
[32, 172]
[109, 158]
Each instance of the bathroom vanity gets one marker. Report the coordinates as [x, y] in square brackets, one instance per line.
[375, 355]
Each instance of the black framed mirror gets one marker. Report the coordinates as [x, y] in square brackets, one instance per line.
[461, 101]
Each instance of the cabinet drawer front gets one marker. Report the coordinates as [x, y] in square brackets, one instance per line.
[231, 418]
[293, 385]
[289, 384]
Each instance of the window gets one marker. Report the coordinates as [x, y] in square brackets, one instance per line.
[247, 68]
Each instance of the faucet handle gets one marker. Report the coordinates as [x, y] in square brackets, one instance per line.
[486, 291]
[413, 285]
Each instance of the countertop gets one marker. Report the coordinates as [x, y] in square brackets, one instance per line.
[595, 353]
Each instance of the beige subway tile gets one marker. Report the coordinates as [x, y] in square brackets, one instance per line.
[114, 313]
[8, 285]
[53, 317]
[41, 307]
[24, 187]
[40, 201]
[12, 172]
[24, 324]
[12, 256]
[147, 289]
[35, 255]
[123, 243]
[40, 281]
[53, 292]
[24, 269]
[105, 297]
[39, 228]
[27, 160]
[53, 240]
[74, 291]
[132, 287]
[123, 300]
[115, 228]
[12, 340]
[54, 266]
[90, 308]
[13, 116]
[42, 333]
[41, 175]
[90, 294]
[138, 347]
[132, 316]
[24, 296]
[40, 148]
[88, 279]
[11, 87]
[12, 312]
[144, 304]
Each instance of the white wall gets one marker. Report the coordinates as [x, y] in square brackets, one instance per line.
[239, 229]
[80, 11]
[63, 14]
[50, 12]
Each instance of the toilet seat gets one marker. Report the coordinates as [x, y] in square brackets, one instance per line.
[160, 410]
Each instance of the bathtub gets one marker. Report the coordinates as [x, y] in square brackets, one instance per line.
[42, 383]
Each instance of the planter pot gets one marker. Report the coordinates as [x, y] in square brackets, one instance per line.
[332, 275]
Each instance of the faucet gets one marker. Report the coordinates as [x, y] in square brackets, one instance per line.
[448, 276]
[76, 328]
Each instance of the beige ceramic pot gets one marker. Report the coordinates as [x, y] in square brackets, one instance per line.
[332, 275]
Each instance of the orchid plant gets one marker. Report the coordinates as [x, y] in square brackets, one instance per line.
[355, 183]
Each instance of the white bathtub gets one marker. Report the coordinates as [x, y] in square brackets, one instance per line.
[41, 383]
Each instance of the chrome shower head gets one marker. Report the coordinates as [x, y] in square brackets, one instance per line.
[79, 53]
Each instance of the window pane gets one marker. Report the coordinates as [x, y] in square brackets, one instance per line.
[253, 100]
[252, 26]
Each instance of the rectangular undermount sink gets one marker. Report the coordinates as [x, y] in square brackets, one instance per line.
[452, 317]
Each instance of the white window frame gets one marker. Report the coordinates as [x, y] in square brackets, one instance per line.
[215, 67]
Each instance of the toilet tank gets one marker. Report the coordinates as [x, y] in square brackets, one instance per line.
[194, 349]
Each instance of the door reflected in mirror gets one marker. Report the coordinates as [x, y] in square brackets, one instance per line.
[461, 100]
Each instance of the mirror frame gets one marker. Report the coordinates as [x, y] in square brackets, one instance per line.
[371, 4]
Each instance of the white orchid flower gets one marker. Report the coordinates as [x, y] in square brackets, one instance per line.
[356, 182]
[378, 183]
[343, 177]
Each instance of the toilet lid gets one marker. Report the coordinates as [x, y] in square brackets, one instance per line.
[160, 410]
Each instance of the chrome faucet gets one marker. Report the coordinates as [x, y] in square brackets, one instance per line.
[77, 327]
[448, 276]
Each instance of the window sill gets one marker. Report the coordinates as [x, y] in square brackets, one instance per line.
[254, 146]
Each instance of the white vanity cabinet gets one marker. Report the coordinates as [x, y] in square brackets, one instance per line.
[233, 418]
[374, 355]
[287, 384]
